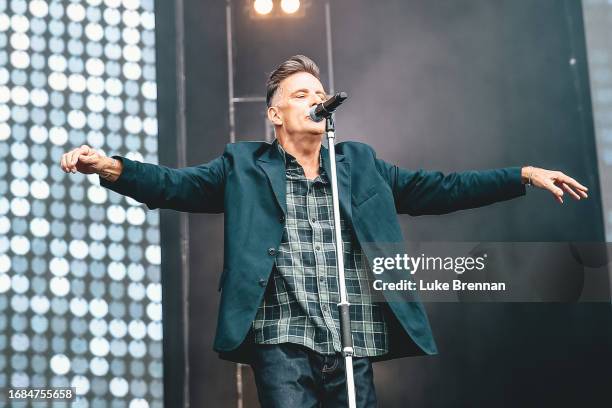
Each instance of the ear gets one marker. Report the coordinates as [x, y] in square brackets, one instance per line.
[274, 116]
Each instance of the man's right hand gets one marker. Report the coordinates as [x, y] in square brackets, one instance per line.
[86, 160]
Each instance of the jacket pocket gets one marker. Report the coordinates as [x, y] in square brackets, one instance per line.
[362, 198]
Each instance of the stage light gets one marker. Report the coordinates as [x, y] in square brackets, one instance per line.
[263, 6]
[290, 6]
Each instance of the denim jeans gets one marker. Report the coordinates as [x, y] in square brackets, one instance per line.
[289, 375]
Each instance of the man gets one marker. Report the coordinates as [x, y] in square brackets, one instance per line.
[279, 283]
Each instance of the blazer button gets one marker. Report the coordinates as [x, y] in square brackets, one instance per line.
[281, 219]
[271, 251]
[262, 282]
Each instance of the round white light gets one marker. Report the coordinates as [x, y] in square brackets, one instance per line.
[81, 383]
[76, 12]
[99, 346]
[154, 292]
[39, 304]
[5, 282]
[137, 329]
[39, 190]
[59, 286]
[139, 403]
[40, 227]
[20, 245]
[98, 308]
[153, 254]
[78, 306]
[154, 311]
[263, 6]
[98, 366]
[290, 6]
[119, 387]
[20, 283]
[116, 271]
[60, 364]
[136, 291]
[117, 328]
[97, 194]
[154, 329]
[38, 8]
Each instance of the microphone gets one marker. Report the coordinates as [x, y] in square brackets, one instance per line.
[323, 110]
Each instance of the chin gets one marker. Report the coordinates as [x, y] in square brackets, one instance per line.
[317, 128]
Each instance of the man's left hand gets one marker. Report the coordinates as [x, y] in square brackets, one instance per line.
[553, 181]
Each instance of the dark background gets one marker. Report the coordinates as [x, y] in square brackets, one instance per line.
[444, 85]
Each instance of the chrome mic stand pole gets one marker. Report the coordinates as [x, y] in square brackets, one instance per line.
[343, 306]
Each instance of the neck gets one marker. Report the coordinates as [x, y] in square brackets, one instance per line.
[305, 149]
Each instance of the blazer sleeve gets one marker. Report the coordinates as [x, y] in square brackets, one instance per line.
[191, 189]
[423, 192]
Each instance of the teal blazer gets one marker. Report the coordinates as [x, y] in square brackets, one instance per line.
[247, 183]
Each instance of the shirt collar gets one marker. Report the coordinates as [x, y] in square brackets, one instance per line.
[291, 161]
[287, 157]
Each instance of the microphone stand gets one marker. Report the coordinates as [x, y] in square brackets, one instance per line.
[343, 306]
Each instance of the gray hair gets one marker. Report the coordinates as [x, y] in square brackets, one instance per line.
[295, 64]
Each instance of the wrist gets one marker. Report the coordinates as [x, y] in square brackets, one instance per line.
[111, 169]
[526, 175]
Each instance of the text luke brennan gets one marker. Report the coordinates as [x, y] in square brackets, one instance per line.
[436, 285]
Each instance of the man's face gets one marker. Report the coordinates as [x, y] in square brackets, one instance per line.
[292, 101]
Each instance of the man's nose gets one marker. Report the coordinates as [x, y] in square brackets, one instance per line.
[315, 100]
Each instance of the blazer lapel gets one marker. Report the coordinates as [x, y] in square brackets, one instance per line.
[273, 165]
[343, 171]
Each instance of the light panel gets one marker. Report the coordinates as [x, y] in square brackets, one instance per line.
[80, 292]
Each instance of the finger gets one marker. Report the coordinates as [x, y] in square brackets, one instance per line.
[569, 190]
[63, 163]
[69, 161]
[67, 155]
[554, 189]
[75, 156]
[580, 189]
[86, 159]
[572, 182]
[72, 162]
[65, 159]
[558, 198]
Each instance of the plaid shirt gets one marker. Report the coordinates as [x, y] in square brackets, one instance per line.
[300, 302]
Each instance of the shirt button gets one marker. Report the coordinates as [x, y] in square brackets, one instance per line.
[313, 219]
[324, 307]
[262, 282]
[322, 279]
[317, 247]
[271, 251]
[281, 219]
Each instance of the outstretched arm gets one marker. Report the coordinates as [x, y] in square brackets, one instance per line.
[425, 192]
[432, 192]
[193, 189]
